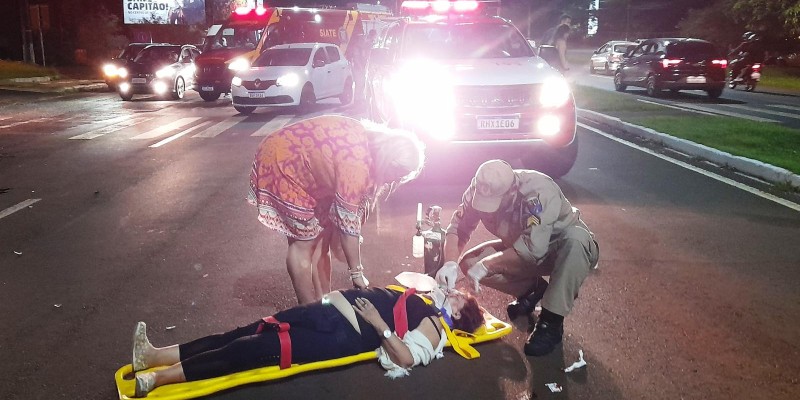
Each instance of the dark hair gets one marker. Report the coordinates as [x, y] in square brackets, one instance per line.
[561, 31]
[471, 316]
[565, 16]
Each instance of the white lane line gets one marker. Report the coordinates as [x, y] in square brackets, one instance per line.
[78, 129]
[273, 125]
[11, 125]
[763, 110]
[675, 107]
[111, 128]
[10, 210]
[218, 128]
[728, 113]
[179, 134]
[784, 106]
[164, 129]
[759, 193]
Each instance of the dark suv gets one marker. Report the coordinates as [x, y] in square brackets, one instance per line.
[468, 83]
[674, 64]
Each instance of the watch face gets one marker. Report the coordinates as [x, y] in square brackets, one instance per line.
[387, 334]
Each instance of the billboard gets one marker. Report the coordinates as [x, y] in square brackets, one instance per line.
[175, 12]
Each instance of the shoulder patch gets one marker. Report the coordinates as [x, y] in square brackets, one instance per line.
[533, 220]
[534, 205]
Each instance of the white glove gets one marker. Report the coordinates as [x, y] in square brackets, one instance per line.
[475, 274]
[447, 275]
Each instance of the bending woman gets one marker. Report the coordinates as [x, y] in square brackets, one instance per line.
[317, 180]
[344, 323]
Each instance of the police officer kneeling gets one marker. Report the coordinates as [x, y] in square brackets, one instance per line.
[539, 234]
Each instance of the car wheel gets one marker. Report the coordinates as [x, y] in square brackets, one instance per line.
[347, 92]
[714, 93]
[307, 98]
[652, 87]
[618, 85]
[126, 96]
[209, 96]
[606, 70]
[180, 89]
[244, 109]
[554, 162]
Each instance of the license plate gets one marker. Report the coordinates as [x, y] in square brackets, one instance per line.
[207, 88]
[498, 123]
[696, 79]
[256, 95]
[755, 75]
[138, 80]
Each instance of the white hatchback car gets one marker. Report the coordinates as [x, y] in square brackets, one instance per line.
[296, 74]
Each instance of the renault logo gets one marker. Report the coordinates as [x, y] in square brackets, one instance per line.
[257, 82]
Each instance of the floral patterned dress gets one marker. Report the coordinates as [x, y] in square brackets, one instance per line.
[311, 173]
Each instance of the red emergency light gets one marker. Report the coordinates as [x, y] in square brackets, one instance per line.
[439, 6]
[249, 12]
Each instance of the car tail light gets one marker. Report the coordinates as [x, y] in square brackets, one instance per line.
[722, 63]
[667, 62]
[756, 67]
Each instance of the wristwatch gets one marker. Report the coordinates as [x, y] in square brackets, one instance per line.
[387, 333]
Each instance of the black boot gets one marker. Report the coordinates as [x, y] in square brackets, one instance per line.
[546, 335]
[526, 304]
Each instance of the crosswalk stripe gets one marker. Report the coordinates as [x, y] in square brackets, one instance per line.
[13, 124]
[165, 129]
[764, 111]
[217, 128]
[95, 125]
[274, 124]
[179, 134]
[788, 107]
[110, 129]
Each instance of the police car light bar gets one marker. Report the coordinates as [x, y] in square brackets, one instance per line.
[441, 6]
[248, 10]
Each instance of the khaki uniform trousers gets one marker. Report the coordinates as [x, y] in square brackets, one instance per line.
[569, 259]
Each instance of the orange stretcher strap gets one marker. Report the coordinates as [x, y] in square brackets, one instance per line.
[283, 337]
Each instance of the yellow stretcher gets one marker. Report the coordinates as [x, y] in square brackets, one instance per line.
[492, 329]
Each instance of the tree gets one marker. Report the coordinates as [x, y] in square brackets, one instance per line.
[99, 34]
[766, 15]
[714, 23]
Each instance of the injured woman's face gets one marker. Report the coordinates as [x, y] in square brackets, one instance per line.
[454, 302]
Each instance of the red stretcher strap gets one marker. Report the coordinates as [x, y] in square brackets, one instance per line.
[283, 337]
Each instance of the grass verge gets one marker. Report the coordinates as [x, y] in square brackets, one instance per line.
[766, 142]
[16, 69]
[781, 77]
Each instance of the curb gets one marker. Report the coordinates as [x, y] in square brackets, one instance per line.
[33, 79]
[50, 88]
[749, 166]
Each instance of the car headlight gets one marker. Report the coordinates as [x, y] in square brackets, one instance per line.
[236, 81]
[555, 92]
[289, 80]
[165, 72]
[423, 92]
[110, 70]
[239, 64]
[122, 72]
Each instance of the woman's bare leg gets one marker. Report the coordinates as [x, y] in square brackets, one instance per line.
[298, 264]
[160, 356]
[321, 266]
[171, 374]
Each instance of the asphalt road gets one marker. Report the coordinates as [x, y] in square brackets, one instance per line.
[135, 211]
[763, 105]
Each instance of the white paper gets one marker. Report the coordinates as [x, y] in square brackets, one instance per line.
[554, 387]
[577, 364]
[416, 280]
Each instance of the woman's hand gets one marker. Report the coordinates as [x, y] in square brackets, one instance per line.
[366, 310]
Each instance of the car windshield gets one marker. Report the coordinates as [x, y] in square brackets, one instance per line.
[158, 54]
[131, 51]
[465, 41]
[283, 57]
[696, 50]
[234, 37]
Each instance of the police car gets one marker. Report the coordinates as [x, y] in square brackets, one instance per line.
[459, 76]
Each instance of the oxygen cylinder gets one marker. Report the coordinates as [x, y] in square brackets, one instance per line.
[433, 241]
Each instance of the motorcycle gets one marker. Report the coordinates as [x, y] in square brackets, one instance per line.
[750, 77]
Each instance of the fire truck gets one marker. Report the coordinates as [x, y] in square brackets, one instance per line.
[232, 45]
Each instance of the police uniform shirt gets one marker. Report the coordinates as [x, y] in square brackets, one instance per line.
[539, 211]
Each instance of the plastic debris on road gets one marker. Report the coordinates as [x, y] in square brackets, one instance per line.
[577, 364]
[19, 253]
[554, 387]
[169, 328]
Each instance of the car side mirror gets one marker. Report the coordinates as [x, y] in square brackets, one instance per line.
[318, 63]
[380, 56]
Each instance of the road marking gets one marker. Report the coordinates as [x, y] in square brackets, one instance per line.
[788, 107]
[765, 111]
[179, 134]
[165, 129]
[273, 125]
[675, 107]
[731, 182]
[95, 125]
[111, 128]
[11, 125]
[728, 113]
[10, 210]
[218, 128]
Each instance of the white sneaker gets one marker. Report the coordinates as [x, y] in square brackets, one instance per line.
[141, 345]
[145, 382]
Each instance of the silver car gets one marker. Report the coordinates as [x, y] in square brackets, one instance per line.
[608, 56]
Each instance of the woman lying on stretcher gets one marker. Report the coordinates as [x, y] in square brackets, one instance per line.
[344, 323]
